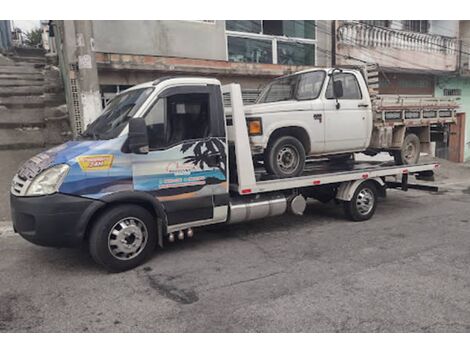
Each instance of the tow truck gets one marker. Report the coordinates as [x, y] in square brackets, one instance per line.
[160, 162]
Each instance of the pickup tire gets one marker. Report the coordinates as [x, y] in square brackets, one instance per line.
[123, 237]
[409, 152]
[285, 157]
[363, 203]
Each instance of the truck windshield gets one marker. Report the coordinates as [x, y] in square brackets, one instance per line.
[295, 87]
[116, 114]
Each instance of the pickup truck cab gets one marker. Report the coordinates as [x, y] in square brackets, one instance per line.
[329, 113]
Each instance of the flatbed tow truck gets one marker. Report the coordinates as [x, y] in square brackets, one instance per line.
[172, 166]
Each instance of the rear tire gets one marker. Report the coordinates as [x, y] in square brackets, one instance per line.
[409, 152]
[362, 205]
[285, 157]
[123, 237]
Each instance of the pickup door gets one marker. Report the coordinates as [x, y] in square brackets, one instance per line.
[347, 128]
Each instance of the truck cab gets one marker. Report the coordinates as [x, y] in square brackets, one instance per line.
[160, 146]
[303, 115]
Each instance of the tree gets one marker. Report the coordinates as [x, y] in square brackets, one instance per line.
[34, 37]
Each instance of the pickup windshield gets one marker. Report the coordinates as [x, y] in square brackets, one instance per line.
[116, 114]
[304, 86]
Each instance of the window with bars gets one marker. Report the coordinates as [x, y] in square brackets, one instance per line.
[448, 92]
[416, 26]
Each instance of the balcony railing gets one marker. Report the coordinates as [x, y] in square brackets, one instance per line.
[365, 35]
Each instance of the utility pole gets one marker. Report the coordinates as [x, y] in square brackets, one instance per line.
[333, 43]
[90, 98]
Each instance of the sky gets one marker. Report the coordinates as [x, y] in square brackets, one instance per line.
[26, 25]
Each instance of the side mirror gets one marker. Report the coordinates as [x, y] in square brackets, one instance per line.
[338, 89]
[138, 139]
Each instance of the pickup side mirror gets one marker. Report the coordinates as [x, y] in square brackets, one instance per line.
[338, 89]
[138, 139]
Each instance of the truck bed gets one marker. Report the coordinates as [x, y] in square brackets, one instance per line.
[327, 172]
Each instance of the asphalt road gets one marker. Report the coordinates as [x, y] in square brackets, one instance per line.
[405, 270]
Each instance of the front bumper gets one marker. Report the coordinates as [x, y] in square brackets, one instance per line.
[56, 220]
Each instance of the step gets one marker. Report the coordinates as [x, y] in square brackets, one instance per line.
[20, 82]
[33, 60]
[35, 101]
[25, 51]
[21, 117]
[12, 91]
[30, 76]
[18, 138]
[19, 69]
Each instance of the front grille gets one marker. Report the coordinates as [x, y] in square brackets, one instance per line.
[19, 185]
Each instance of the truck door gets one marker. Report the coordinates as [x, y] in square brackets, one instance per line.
[186, 167]
[347, 128]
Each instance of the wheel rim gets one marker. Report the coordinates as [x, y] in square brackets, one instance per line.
[288, 158]
[409, 152]
[365, 201]
[127, 238]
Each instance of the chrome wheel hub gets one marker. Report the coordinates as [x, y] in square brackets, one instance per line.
[127, 238]
[288, 158]
[365, 201]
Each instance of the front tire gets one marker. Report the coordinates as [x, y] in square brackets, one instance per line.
[123, 237]
[362, 205]
[409, 152]
[285, 157]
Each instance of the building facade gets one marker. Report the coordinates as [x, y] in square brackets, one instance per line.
[125, 53]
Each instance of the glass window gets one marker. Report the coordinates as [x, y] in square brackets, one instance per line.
[295, 53]
[250, 26]
[351, 88]
[178, 118]
[249, 50]
[279, 90]
[297, 29]
[310, 85]
[116, 114]
[379, 23]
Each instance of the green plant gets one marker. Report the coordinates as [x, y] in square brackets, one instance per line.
[34, 37]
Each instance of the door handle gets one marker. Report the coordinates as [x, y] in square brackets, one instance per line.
[362, 105]
[317, 117]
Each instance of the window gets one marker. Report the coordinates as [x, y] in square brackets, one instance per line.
[251, 26]
[178, 118]
[351, 88]
[117, 113]
[267, 41]
[416, 26]
[295, 53]
[293, 29]
[310, 85]
[452, 92]
[249, 50]
[303, 86]
[380, 23]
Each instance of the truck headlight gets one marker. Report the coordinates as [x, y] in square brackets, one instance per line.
[48, 181]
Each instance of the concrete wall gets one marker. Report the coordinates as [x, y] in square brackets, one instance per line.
[445, 28]
[464, 101]
[163, 38]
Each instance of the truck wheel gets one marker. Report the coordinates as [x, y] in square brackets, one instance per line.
[123, 237]
[409, 153]
[363, 203]
[285, 157]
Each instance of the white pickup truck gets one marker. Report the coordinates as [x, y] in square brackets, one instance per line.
[330, 113]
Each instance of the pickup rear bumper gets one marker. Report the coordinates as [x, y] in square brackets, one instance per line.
[56, 220]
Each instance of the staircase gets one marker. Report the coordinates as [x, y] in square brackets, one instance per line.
[33, 113]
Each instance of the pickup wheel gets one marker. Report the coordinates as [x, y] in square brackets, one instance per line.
[123, 237]
[409, 153]
[285, 157]
[362, 205]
